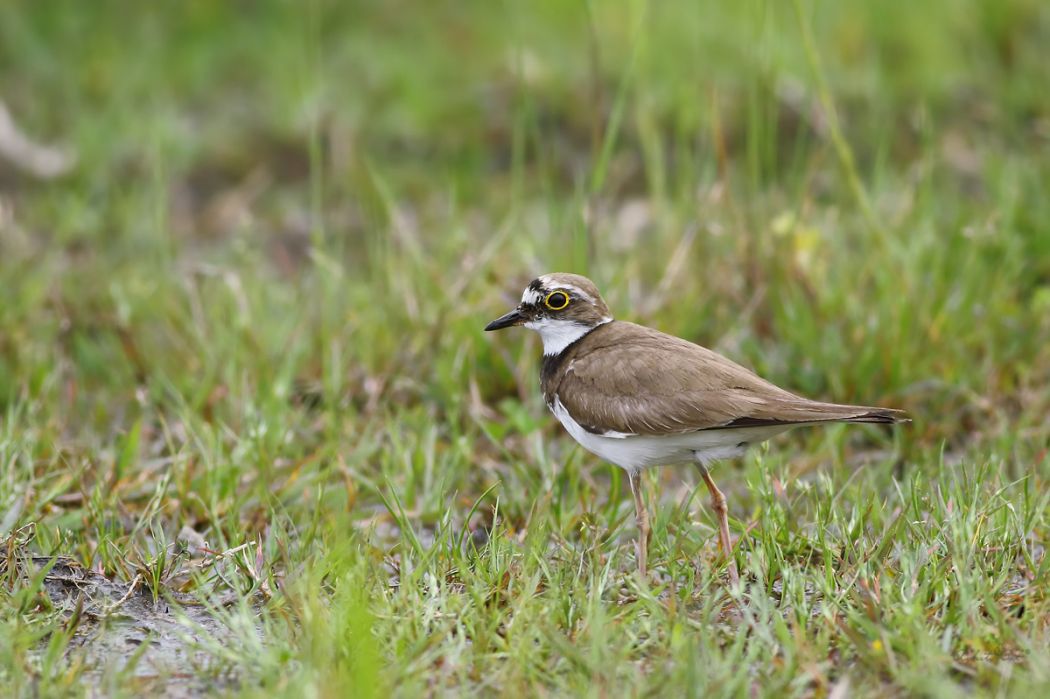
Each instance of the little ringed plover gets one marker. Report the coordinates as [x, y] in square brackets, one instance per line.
[638, 397]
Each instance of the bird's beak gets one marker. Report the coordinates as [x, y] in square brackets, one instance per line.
[506, 320]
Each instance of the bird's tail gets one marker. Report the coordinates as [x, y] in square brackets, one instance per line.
[885, 416]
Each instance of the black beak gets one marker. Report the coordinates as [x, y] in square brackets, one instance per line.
[506, 320]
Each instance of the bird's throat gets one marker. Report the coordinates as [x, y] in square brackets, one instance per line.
[558, 334]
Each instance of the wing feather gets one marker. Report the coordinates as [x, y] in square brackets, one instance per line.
[638, 381]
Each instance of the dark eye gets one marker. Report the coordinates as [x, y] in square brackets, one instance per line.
[556, 300]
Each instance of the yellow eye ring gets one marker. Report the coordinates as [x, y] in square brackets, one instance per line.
[556, 300]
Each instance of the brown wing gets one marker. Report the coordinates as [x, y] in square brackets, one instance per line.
[635, 380]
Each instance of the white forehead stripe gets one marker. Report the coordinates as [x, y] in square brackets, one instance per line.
[530, 296]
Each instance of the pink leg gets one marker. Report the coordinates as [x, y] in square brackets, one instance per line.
[642, 517]
[718, 504]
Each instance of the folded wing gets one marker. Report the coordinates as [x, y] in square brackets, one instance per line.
[666, 385]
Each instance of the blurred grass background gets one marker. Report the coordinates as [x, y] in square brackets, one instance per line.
[250, 313]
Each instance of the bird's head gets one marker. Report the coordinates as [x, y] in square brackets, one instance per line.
[562, 308]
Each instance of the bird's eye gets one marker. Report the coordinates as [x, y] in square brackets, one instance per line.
[556, 300]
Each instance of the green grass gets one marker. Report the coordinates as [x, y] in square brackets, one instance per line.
[251, 316]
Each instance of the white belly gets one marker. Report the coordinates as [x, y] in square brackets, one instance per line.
[635, 452]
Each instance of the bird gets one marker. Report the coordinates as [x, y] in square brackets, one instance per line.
[638, 398]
